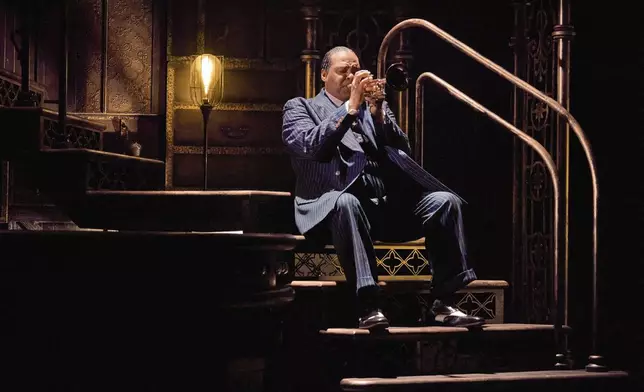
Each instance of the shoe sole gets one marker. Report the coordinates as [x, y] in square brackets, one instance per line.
[379, 326]
[473, 324]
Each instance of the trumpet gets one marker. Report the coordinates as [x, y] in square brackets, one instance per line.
[396, 79]
[377, 90]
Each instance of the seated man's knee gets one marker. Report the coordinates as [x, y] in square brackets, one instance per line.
[347, 201]
[448, 199]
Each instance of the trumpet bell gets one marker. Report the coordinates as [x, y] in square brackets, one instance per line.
[397, 77]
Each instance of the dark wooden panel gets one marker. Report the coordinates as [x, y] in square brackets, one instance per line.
[228, 128]
[4, 192]
[259, 86]
[4, 38]
[267, 212]
[266, 172]
[9, 51]
[183, 20]
[248, 85]
[23, 186]
[48, 43]
[129, 67]
[235, 30]
[285, 32]
[181, 83]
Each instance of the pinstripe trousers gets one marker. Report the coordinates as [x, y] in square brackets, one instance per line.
[357, 221]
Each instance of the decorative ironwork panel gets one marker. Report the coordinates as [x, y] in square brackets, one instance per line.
[533, 229]
[129, 56]
[478, 304]
[405, 261]
[8, 92]
[486, 303]
[118, 176]
[72, 137]
[9, 89]
[361, 28]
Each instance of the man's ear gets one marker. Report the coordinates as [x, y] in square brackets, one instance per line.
[323, 75]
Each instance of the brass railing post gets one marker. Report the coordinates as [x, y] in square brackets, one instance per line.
[310, 55]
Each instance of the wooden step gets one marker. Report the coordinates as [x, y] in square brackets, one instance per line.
[54, 182]
[235, 210]
[65, 175]
[387, 281]
[87, 169]
[569, 380]
[102, 250]
[438, 332]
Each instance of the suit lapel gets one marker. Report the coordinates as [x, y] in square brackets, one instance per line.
[368, 126]
[324, 108]
[323, 105]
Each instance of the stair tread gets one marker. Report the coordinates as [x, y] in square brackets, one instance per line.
[323, 283]
[420, 332]
[246, 210]
[52, 114]
[227, 193]
[477, 377]
[416, 242]
[109, 236]
[98, 153]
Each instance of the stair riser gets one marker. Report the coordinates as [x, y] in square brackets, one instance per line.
[336, 307]
[30, 130]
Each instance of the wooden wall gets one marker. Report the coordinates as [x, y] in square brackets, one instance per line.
[260, 41]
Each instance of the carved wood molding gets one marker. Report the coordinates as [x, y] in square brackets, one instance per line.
[193, 150]
[243, 64]
[231, 106]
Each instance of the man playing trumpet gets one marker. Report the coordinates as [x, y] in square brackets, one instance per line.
[356, 183]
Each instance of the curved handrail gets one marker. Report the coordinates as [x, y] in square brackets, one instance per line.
[543, 153]
[554, 105]
[538, 147]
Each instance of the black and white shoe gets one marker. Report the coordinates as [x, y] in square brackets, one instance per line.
[374, 320]
[451, 317]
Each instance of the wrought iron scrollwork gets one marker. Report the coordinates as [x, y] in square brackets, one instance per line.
[533, 230]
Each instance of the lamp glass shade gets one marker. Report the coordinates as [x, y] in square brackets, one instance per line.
[207, 79]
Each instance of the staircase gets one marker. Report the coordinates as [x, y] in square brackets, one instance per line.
[144, 272]
[412, 355]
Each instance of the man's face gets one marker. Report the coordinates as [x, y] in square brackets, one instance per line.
[338, 78]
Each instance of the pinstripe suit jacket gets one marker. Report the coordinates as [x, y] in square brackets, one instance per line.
[327, 157]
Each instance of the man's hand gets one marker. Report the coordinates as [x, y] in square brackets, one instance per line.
[361, 80]
[375, 98]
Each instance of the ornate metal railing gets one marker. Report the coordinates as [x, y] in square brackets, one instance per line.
[560, 304]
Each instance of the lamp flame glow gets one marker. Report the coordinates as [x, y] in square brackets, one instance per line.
[206, 73]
